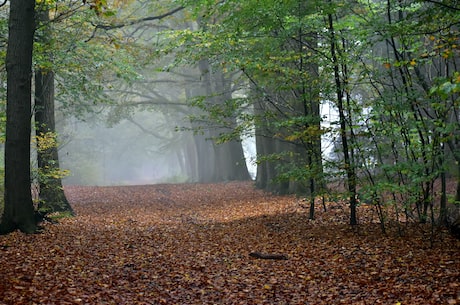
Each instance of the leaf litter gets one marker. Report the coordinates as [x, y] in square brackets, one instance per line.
[190, 244]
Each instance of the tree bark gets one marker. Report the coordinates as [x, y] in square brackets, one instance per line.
[51, 192]
[224, 161]
[52, 197]
[340, 92]
[19, 209]
[230, 163]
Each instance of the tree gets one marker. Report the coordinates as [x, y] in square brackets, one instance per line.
[287, 100]
[340, 79]
[411, 121]
[51, 193]
[229, 161]
[207, 159]
[266, 48]
[19, 210]
[373, 62]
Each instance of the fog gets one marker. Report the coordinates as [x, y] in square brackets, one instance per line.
[131, 152]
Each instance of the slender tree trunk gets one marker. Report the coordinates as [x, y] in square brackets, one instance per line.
[302, 101]
[349, 166]
[457, 193]
[52, 197]
[19, 210]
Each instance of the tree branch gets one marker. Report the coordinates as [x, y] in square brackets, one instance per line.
[132, 22]
[443, 5]
[137, 21]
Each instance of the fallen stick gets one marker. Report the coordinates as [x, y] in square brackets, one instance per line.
[268, 256]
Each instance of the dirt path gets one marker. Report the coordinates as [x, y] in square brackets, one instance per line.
[190, 244]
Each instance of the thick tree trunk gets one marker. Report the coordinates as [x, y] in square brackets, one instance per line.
[269, 143]
[200, 153]
[19, 210]
[205, 159]
[52, 197]
[265, 145]
[230, 163]
[226, 161]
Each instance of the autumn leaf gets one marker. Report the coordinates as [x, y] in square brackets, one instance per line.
[190, 244]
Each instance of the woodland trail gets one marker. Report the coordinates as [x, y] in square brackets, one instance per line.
[190, 244]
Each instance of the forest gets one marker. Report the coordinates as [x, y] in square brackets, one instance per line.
[230, 152]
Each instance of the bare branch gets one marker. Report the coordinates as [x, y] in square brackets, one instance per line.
[137, 21]
[455, 8]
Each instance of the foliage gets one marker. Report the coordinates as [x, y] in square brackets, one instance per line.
[87, 62]
[44, 142]
[408, 124]
[388, 67]
[57, 216]
[269, 64]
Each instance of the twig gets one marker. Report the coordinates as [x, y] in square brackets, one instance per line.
[268, 256]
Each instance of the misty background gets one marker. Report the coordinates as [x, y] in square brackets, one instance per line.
[125, 154]
[142, 149]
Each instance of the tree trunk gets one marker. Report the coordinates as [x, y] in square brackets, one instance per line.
[266, 145]
[347, 152]
[227, 160]
[205, 159]
[19, 210]
[300, 103]
[230, 163]
[52, 197]
[200, 153]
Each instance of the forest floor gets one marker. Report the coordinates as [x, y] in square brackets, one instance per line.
[190, 244]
